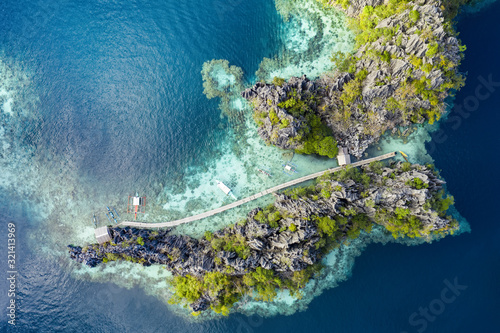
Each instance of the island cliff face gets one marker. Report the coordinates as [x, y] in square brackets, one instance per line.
[404, 67]
[279, 246]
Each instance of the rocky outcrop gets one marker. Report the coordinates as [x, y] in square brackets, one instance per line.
[267, 97]
[403, 77]
[296, 239]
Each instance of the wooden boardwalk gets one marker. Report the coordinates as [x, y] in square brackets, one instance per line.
[250, 198]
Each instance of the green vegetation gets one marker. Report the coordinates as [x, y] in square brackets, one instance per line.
[259, 117]
[227, 290]
[112, 256]
[297, 192]
[209, 235]
[348, 173]
[344, 62]
[278, 81]
[326, 146]
[432, 49]
[315, 137]
[352, 91]
[376, 167]
[359, 222]
[284, 123]
[273, 117]
[400, 223]
[264, 282]
[440, 203]
[269, 215]
[406, 166]
[295, 106]
[365, 28]
[353, 88]
[414, 15]
[417, 183]
[326, 225]
[187, 288]
[231, 243]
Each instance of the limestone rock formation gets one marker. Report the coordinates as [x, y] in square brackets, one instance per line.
[293, 233]
[399, 78]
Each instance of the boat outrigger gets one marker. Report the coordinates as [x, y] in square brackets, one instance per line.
[118, 216]
[289, 168]
[225, 189]
[94, 220]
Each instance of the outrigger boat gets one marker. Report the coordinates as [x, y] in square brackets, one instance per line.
[135, 205]
[111, 214]
[404, 156]
[264, 172]
[94, 220]
[289, 168]
[225, 189]
[108, 217]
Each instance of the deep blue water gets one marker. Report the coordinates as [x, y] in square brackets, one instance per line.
[120, 83]
[112, 76]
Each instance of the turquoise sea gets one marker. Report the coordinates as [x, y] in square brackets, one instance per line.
[102, 99]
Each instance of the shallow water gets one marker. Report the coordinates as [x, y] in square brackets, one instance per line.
[100, 100]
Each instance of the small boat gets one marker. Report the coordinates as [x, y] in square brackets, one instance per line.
[111, 214]
[225, 189]
[264, 172]
[289, 168]
[135, 205]
[404, 156]
[94, 220]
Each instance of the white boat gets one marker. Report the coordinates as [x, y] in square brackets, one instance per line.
[225, 189]
[289, 168]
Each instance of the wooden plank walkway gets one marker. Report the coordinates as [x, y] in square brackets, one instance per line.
[252, 197]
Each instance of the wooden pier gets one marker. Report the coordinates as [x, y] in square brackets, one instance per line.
[252, 197]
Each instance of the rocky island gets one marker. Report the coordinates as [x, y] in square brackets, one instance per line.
[281, 245]
[404, 68]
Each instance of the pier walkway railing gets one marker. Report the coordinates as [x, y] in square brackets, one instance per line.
[252, 197]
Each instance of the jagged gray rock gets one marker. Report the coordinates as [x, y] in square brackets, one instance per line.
[358, 125]
[279, 248]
